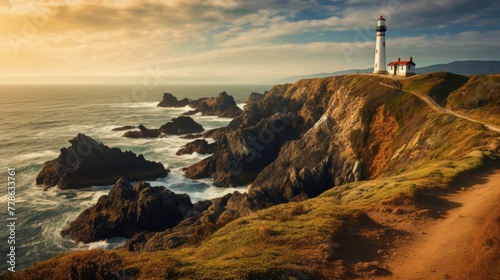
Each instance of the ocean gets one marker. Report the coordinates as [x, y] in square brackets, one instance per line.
[38, 120]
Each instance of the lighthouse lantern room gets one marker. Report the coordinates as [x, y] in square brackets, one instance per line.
[380, 66]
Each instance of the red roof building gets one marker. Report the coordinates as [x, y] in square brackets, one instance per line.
[402, 67]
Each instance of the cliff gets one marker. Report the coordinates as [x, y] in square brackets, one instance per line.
[340, 169]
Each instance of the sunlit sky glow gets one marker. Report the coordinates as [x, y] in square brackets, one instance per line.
[231, 41]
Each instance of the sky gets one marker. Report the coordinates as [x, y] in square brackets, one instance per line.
[231, 41]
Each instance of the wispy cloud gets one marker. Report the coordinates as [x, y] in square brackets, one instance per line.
[235, 37]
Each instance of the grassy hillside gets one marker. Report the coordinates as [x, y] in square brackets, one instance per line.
[333, 236]
[479, 99]
[436, 85]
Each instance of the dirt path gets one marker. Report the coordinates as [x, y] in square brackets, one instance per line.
[446, 248]
[431, 103]
[436, 107]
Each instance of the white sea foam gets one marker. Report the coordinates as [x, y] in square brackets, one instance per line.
[241, 105]
[110, 243]
[59, 116]
[134, 105]
[44, 154]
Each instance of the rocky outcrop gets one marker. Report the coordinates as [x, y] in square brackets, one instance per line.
[297, 142]
[181, 125]
[128, 210]
[169, 100]
[242, 154]
[178, 126]
[88, 162]
[255, 97]
[215, 133]
[199, 146]
[200, 222]
[223, 106]
[143, 133]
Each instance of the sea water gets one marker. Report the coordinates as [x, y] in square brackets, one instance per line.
[38, 120]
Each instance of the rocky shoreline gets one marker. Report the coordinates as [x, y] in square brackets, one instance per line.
[334, 151]
[285, 144]
[140, 212]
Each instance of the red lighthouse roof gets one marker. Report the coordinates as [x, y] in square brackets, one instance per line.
[381, 18]
[402, 62]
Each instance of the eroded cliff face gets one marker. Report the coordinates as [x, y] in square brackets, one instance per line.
[300, 140]
[303, 139]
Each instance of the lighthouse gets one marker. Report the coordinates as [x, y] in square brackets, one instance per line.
[379, 66]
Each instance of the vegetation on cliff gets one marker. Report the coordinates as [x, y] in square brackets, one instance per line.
[357, 146]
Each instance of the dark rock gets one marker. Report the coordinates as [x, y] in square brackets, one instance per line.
[181, 125]
[203, 169]
[128, 210]
[203, 220]
[124, 128]
[169, 100]
[223, 106]
[88, 162]
[178, 126]
[242, 154]
[143, 133]
[255, 97]
[215, 133]
[199, 146]
[195, 103]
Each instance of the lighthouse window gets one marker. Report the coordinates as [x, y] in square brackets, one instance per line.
[383, 44]
[409, 67]
[401, 67]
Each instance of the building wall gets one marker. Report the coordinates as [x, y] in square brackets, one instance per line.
[411, 70]
[402, 70]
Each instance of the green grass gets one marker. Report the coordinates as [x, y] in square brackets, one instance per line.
[437, 85]
[433, 150]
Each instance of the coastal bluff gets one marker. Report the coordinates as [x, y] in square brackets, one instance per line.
[342, 173]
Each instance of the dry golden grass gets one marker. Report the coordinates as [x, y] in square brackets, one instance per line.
[298, 239]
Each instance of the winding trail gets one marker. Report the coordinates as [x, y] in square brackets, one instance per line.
[436, 107]
[449, 247]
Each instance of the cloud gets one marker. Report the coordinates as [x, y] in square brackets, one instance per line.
[235, 37]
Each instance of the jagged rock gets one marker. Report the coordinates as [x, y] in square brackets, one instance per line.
[143, 133]
[215, 133]
[204, 219]
[195, 103]
[255, 97]
[325, 146]
[181, 125]
[328, 120]
[169, 100]
[178, 126]
[242, 154]
[202, 169]
[128, 210]
[199, 146]
[223, 106]
[88, 162]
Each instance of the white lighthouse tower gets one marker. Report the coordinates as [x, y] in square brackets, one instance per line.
[379, 67]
